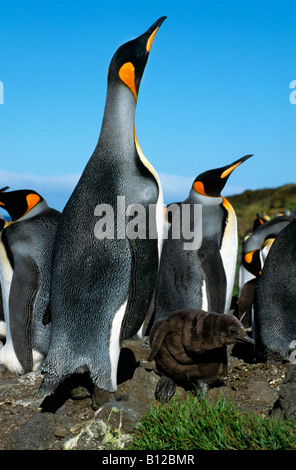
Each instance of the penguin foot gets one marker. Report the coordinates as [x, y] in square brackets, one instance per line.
[47, 387]
[165, 389]
[201, 390]
[100, 396]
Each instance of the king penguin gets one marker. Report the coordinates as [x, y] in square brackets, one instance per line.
[255, 249]
[202, 277]
[25, 266]
[102, 287]
[275, 299]
[256, 246]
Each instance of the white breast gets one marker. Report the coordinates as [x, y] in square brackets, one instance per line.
[7, 353]
[228, 251]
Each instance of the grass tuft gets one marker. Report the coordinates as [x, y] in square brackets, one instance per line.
[188, 424]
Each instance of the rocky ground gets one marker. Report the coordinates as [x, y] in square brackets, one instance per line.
[69, 422]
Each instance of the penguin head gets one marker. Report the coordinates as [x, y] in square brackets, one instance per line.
[19, 203]
[232, 331]
[259, 220]
[211, 182]
[129, 61]
[2, 223]
[252, 262]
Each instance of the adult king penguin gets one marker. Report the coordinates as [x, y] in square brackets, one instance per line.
[25, 264]
[102, 287]
[275, 299]
[255, 249]
[257, 245]
[202, 277]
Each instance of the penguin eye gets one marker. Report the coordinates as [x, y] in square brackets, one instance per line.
[231, 331]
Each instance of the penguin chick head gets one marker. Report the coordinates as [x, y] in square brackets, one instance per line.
[19, 203]
[211, 182]
[231, 330]
[129, 61]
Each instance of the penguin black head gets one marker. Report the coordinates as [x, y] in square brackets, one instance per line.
[19, 203]
[2, 224]
[252, 262]
[129, 61]
[259, 220]
[211, 182]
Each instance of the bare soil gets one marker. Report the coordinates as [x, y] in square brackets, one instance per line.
[251, 386]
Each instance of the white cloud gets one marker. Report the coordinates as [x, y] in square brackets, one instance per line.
[175, 188]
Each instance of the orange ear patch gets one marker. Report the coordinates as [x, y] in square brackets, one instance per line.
[199, 188]
[127, 75]
[32, 200]
[249, 256]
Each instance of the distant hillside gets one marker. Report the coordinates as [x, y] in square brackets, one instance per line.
[249, 203]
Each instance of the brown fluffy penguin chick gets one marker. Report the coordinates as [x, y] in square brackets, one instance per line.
[189, 348]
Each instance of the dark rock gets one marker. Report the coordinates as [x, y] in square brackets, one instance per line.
[100, 397]
[285, 406]
[38, 433]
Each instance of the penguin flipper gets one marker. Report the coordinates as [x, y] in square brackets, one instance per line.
[142, 280]
[214, 273]
[47, 316]
[23, 291]
[157, 335]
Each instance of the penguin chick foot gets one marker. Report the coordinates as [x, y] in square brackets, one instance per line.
[100, 396]
[201, 390]
[165, 389]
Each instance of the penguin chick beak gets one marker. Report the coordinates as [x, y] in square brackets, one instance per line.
[244, 339]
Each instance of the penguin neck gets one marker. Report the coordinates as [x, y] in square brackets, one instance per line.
[205, 200]
[117, 132]
[211, 330]
[36, 210]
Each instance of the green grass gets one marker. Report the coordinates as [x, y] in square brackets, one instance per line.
[188, 424]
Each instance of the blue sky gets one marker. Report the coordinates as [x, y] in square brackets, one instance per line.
[216, 87]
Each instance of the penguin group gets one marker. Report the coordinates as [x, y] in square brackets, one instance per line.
[266, 284]
[254, 250]
[72, 290]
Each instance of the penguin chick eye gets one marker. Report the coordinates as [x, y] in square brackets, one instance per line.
[231, 331]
